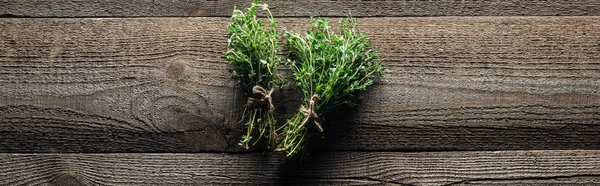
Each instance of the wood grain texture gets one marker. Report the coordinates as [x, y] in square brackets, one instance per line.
[361, 8]
[115, 85]
[343, 168]
[161, 85]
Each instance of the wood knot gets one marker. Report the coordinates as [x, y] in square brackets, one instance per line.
[66, 179]
[172, 109]
[177, 68]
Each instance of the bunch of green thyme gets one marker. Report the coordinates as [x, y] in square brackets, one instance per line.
[252, 51]
[329, 70]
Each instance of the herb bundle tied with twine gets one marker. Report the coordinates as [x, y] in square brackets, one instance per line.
[252, 51]
[330, 70]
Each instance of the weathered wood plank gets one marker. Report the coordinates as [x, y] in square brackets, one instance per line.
[363, 8]
[160, 85]
[342, 168]
[115, 85]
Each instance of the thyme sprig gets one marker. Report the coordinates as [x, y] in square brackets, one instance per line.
[329, 70]
[252, 51]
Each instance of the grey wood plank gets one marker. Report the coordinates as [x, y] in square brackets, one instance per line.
[161, 85]
[362, 8]
[342, 168]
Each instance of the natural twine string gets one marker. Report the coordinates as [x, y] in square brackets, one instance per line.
[266, 96]
[311, 114]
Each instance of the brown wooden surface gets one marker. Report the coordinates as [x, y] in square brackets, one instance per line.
[457, 88]
[161, 85]
[363, 8]
[342, 168]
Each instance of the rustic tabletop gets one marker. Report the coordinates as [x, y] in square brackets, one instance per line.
[137, 93]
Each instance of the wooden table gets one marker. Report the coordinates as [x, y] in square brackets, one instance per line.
[137, 93]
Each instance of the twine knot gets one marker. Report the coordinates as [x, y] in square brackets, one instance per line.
[311, 114]
[265, 97]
